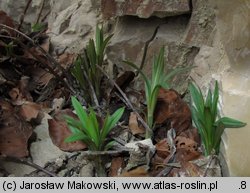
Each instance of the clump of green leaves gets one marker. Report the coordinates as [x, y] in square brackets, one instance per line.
[205, 113]
[87, 128]
[159, 79]
[85, 68]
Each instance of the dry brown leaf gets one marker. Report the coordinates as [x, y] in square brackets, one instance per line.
[6, 20]
[117, 164]
[124, 80]
[40, 76]
[59, 131]
[14, 132]
[46, 44]
[162, 148]
[66, 60]
[137, 172]
[133, 125]
[186, 150]
[30, 110]
[21, 93]
[192, 133]
[170, 108]
[187, 170]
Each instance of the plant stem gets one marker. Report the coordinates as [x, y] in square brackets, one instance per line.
[99, 166]
[150, 120]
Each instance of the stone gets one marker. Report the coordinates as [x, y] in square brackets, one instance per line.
[144, 8]
[71, 26]
[201, 28]
[43, 150]
[227, 60]
[233, 29]
[146, 142]
[87, 170]
[15, 10]
[17, 169]
[131, 34]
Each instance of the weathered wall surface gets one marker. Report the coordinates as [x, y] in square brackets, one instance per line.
[16, 10]
[71, 24]
[233, 23]
[227, 60]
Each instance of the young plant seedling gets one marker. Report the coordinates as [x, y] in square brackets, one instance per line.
[85, 70]
[87, 128]
[205, 117]
[159, 79]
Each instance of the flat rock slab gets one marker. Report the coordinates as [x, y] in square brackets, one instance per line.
[43, 150]
[144, 8]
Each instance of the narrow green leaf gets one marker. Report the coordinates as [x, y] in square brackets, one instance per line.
[76, 137]
[199, 122]
[105, 43]
[92, 131]
[218, 133]
[209, 125]
[215, 101]
[98, 40]
[153, 99]
[95, 127]
[209, 100]
[73, 122]
[81, 113]
[158, 68]
[197, 97]
[110, 122]
[74, 130]
[109, 145]
[91, 52]
[174, 72]
[77, 72]
[230, 123]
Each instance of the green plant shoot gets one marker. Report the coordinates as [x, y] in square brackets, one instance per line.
[85, 70]
[159, 79]
[87, 128]
[204, 115]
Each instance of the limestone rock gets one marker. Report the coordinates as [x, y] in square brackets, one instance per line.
[144, 8]
[15, 10]
[71, 26]
[131, 34]
[43, 150]
[201, 27]
[227, 60]
[87, 170]
[233, 29]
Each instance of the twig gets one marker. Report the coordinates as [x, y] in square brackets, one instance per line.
[171, 158]
[47, 55]
[40, 12]
[95, 100]
[50, 70]
[127, 100]
[209, 164]
[23, 15]
[145, 50]
[96, 153]
[26, 162]
[45, 16]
